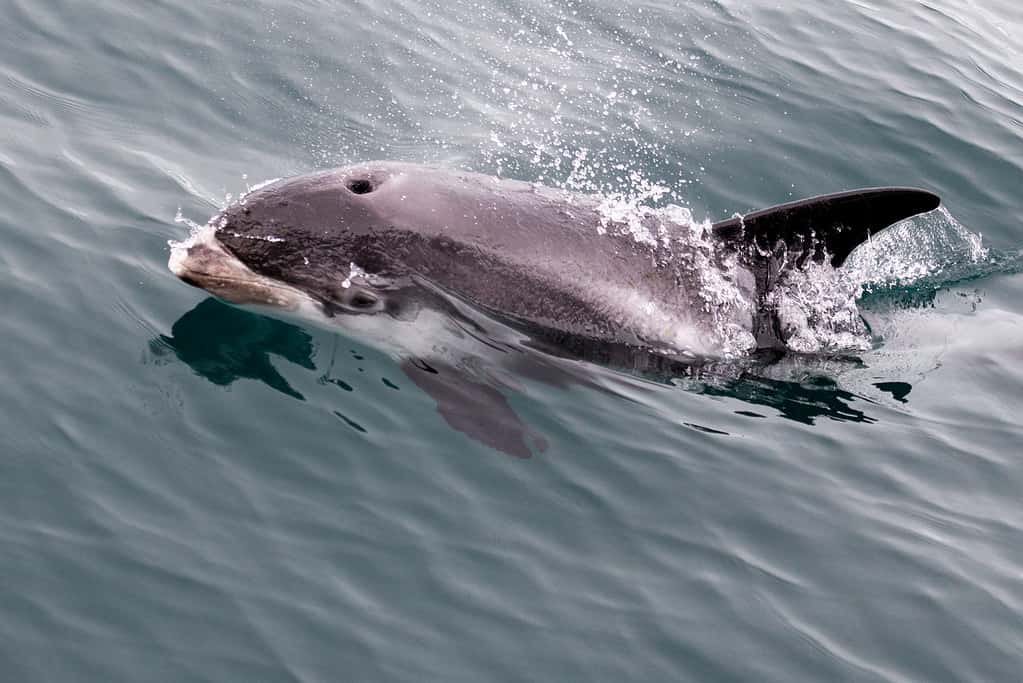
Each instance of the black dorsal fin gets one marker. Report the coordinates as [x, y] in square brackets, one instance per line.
[834, 224]
[830, 226]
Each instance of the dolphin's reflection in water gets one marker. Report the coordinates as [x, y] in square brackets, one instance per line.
[804, 401]
[801, 388]
[223, 343]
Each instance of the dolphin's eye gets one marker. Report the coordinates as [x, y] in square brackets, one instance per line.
[360, 186]
[362, 299]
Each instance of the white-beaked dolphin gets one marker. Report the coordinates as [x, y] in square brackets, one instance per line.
[384, 248]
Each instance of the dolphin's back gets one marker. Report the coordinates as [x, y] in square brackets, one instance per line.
[524, 251]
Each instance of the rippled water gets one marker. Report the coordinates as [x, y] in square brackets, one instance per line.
[192, 491]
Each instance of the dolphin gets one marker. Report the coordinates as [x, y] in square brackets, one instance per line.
[388, 249]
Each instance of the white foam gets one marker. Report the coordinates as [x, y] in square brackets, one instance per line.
[354, 271]
[179, 248]
[914, 249]
[711, 313]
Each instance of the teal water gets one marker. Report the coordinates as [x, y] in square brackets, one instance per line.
[195, 492]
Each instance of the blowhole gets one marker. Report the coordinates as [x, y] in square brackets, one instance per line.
[360, 186]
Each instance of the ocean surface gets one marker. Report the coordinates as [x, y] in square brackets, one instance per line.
[191, 491]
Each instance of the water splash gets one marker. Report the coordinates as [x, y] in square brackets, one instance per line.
[932, 246]
[630, 209]
[254, 188]
[193, 227]
[818, 306]
[218, 221]
[817, 312]
[194, 230]
[714, 295]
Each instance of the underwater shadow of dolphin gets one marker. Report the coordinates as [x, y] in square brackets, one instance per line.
[222, 344]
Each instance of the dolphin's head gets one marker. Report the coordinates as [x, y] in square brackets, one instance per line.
[319, 239]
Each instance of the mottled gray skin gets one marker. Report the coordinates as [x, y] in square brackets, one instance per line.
[529, 253]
